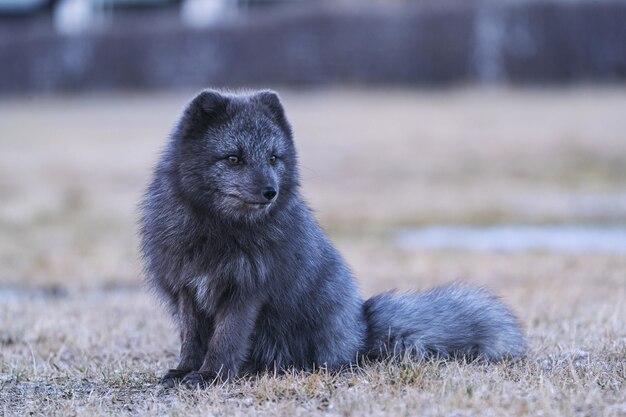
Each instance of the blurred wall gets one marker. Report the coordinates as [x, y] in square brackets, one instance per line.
[414, 43]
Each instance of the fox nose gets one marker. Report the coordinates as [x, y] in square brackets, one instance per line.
[269, 193]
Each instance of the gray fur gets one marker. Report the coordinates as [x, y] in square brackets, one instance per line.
[450, 321]
[255, 284]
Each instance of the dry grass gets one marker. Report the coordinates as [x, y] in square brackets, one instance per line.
[79, 335]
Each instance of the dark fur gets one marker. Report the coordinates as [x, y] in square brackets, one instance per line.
[256, 287]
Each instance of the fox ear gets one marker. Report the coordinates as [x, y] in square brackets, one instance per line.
[210, 102]
[272, 102]
[205, 108]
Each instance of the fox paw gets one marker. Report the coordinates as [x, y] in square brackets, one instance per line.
[199, 379]
[173, 376]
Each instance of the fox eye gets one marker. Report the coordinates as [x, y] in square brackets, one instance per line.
[273, 159]
[234, 159]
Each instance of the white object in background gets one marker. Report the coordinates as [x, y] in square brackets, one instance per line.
[511, 238]
[73, 16]
[201, 13]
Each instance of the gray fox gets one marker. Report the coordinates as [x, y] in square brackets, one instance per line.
[251, 279]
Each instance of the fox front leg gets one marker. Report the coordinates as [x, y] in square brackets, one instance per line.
[195, 331]
[227, 349]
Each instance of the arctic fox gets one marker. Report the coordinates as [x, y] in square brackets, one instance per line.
[252, 280]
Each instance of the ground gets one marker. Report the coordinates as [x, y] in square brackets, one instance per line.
[80, 334]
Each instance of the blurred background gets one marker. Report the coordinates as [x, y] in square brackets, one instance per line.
[437, 126]
[87, 45]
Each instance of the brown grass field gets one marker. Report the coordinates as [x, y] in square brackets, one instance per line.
[80, 335]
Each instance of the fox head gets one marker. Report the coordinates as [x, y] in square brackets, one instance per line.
[235, 154]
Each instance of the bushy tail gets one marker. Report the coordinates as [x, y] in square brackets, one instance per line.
[455, 320]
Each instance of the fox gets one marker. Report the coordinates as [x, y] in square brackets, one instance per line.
[252, 280]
